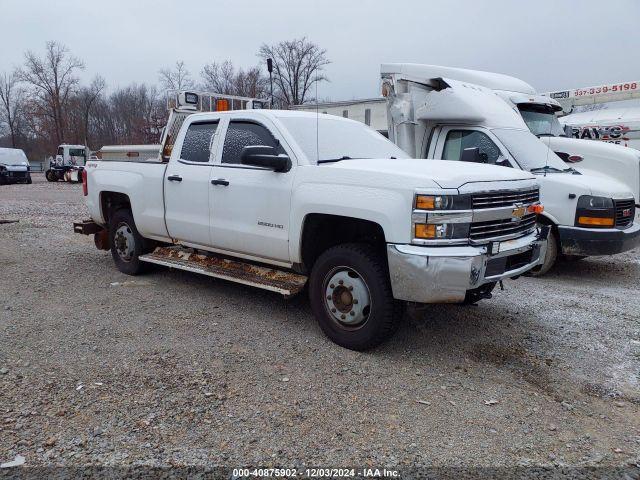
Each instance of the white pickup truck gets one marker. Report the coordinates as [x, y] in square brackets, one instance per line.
[272, 198]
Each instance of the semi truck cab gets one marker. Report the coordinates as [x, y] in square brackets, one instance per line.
[68, 163]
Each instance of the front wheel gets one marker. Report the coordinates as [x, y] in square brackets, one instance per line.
[553, 246]
[51, 176]
[351, 296]
[126, 243]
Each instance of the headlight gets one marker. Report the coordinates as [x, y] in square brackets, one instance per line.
[443, 202]
[441, 217]
[442, 231]
[595, 212]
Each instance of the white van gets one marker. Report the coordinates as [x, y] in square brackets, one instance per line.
[14, 166]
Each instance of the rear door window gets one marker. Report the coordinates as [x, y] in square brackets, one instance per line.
[458, 140]
[196, 146]
[242, 134]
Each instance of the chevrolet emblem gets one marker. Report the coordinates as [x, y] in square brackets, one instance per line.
[517, 213]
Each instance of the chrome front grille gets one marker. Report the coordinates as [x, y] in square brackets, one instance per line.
[496, 214]
[504, 198]
[500, 228]
[625, 212]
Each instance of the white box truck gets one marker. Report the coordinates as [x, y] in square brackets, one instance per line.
[447, 113]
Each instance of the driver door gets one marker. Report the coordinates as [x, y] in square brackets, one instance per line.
[452, 141]
[251, 205]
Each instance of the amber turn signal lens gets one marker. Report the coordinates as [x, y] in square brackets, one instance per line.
[424, 230]
[425, 202]
[597, 221]
[536, 209]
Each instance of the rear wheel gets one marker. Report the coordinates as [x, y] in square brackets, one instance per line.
[126, 243]
[550, 258]
[51, 176]
[351, 297]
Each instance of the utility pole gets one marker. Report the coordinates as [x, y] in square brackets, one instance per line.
[270, 68]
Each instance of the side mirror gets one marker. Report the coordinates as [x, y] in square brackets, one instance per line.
[473, 155]
[569, 158]
[264, 156]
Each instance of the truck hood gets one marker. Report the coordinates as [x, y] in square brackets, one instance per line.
[445, 173]
[584, 184]
[603, 160]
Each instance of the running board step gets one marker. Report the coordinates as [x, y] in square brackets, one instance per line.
[286, 283]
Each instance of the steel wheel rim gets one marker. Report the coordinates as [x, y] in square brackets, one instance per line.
[124, 242]
[347, 298]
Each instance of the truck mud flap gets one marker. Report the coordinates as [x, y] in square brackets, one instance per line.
[279, 281]
[87, 227]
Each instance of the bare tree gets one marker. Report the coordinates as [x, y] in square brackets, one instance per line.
[224, 78]
[219, 77]
[177, 78]
[297, 65]
[53, 79]
[12, 104]
[87, 98]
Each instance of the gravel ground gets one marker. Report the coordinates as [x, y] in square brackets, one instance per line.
[175, 369]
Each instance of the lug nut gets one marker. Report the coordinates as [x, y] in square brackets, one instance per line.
[342, 317]
[352, 313]
[355, 301]
[328, 297]
[333, 310]
[332, 286]
[350, 288]
[340, 282]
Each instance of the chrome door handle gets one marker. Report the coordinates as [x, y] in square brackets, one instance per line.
[174, 178]
[220, 181]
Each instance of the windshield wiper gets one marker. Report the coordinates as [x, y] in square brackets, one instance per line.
[546, 168]
[332, 160]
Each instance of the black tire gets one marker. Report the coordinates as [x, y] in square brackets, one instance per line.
[29, 181]
[127, 244]
[553, 246]
[362, 265]
[51, 176]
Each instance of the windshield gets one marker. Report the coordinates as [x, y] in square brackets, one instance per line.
[530, 153]
[330, 138]
[76, 152]
[541, 120]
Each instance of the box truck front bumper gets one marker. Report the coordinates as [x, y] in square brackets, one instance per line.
[592, 241]
[445, 274]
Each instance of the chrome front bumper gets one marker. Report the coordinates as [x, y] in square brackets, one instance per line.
[445, 274]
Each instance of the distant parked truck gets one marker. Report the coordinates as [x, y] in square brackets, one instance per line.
[14, 166]
[68, 163]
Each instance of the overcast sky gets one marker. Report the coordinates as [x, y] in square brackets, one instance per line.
[558, 44]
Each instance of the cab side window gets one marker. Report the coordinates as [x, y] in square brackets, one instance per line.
[197, 142]
[458, 140]
[60, 151]
[242, 134]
